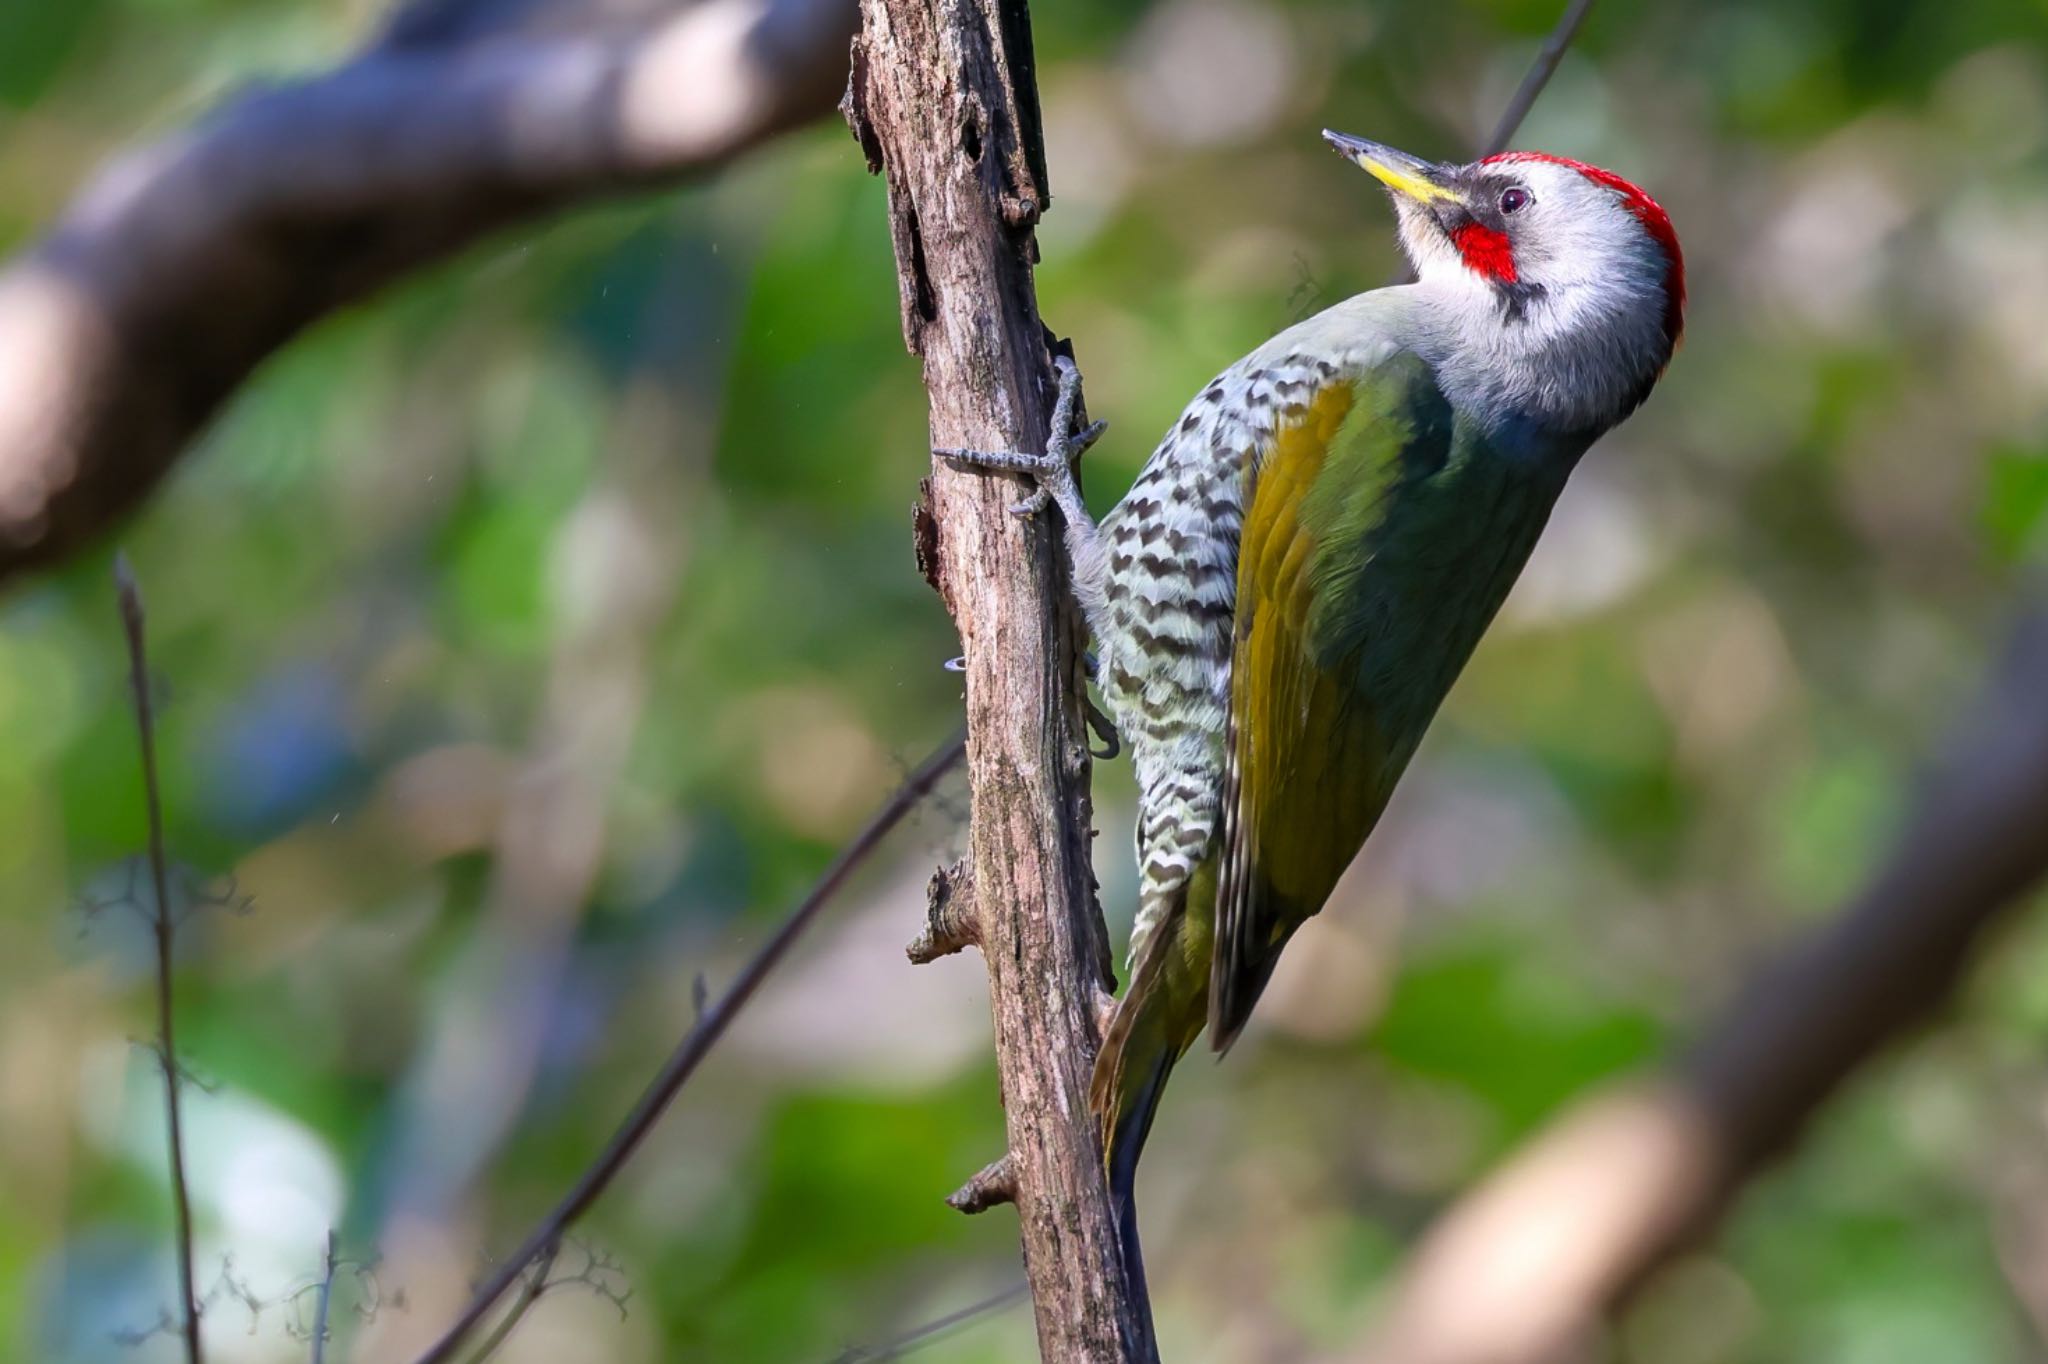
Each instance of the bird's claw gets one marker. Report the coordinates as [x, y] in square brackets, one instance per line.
[1105, 730]
[1040, 496]
[1052, 471]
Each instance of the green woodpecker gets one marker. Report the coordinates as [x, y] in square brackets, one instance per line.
[1311, 554]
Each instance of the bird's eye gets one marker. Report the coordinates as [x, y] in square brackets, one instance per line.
[1514, 200]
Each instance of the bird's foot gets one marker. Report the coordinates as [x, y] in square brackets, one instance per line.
[1105, 730]
[1053, 471]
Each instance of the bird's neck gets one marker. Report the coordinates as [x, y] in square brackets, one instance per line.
[1572, 359]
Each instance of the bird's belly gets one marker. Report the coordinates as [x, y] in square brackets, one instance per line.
[1165, 650]
[1164, 668]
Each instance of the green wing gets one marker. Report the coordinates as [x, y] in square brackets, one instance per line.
[1314, 747]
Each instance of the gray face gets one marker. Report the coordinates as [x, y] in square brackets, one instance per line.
[1541, 276]
[1485, 223]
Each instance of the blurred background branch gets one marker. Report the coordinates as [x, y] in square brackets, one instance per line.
[938, 1328]
[1552, 1243]
[711, 1025]
[1540, 71]
[116, 344]
[1555, 45]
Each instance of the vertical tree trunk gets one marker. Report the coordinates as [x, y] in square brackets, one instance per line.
[944, 103]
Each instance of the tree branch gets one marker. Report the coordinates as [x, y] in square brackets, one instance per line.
[1620, 1184]
[696, 1044]
[944, 103]
[164, 925]
[184, 264]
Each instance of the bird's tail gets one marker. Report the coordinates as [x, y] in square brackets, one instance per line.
[1148, 1033]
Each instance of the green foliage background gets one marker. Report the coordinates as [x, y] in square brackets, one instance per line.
[532, 635]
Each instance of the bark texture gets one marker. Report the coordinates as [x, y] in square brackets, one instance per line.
[944, 104]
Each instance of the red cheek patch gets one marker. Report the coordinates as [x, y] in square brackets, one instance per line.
[1487, 253]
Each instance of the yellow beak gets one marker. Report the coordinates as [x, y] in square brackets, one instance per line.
[1398, 171]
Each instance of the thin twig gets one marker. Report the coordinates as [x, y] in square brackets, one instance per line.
[952, 918]
[325, 1301]
[165, 928]
[896, 1347]
[683, 1062]
[536, 1284]
[1545, 66]
[1555, 44]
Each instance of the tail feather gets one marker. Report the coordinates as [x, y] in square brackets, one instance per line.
[1147, 1035]
[1126, 1142]
[1232, 996]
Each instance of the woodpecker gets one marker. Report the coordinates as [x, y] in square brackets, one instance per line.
[1311, 554]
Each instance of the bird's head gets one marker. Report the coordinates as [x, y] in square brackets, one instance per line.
[1560, 257]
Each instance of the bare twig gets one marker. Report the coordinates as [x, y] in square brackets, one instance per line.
[536, 1284]
[992, 1186]
[1572, 1225]
[164, 924]
[1555, 45]
[1539, 74]
[896, 1347]
[696, 1044]
[323, 1305]
[116, 344]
